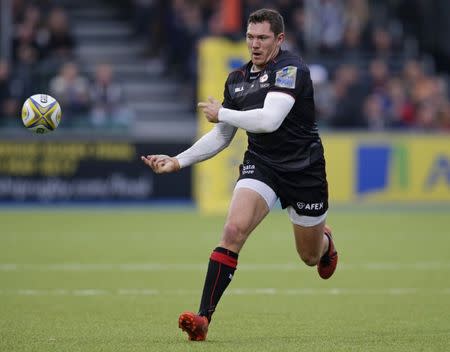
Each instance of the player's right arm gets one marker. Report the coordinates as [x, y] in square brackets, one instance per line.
[205, 148]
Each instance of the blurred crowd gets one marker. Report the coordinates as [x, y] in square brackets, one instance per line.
[43, 60]
[368, 73]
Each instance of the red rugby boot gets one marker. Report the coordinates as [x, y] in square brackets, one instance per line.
[328, 262]
[195, 325]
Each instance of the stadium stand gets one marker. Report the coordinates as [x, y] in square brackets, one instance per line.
[104, 37]
[368, 63]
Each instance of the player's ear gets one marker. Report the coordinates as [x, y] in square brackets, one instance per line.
[280, 38]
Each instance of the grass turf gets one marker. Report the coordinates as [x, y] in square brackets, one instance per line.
[116, 280]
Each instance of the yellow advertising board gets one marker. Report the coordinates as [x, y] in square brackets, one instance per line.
[378, 168]
[214, 179]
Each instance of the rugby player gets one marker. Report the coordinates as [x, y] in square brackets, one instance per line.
[271, 97]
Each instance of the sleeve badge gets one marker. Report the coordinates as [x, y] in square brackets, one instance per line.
[286, 77]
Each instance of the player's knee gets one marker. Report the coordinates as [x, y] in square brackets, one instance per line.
[309, 259]
[232, 234]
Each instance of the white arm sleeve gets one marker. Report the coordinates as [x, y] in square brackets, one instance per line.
[268, 119]
[208, 145]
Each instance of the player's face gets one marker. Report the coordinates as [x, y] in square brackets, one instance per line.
[262, 43]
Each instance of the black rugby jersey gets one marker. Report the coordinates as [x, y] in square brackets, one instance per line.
[296, 143]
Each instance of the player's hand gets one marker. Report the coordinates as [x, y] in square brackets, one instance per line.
[161, 164]
[210, 109]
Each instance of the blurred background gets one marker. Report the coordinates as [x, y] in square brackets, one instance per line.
[128, 75]
[97, 253]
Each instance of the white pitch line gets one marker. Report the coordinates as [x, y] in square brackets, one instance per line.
[136, 267]
[268, 291]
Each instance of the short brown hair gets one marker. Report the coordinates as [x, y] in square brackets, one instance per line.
[272, 16]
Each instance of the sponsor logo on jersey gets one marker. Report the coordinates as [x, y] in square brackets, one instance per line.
[310, 206]
[248, 169]
[238, 89]
[285, 78]
[264, 78]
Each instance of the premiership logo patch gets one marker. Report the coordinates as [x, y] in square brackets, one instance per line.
[285, 78]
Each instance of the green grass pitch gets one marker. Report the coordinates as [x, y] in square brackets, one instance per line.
[117, 279]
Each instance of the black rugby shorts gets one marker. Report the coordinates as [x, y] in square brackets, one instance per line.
[305, 190]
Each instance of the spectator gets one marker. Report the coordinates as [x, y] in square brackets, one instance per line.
[349, 94]
[323, 93]
[25, 37]
[325, 24]
[72, 92]
[9, 104]
[401, 112]
[108, 103]
[351, 49]
[374, 114]
[382, 43]
[412, 73]
[176, 29]
[144, 14]
[378, 76]
[357, 13]
[59, 42]
[32, 16]
[286, 9]
[250, 6]
[24, 69]
[443, 117]
[426, 117]
[440, 92]
[298, 29]
[148, 21]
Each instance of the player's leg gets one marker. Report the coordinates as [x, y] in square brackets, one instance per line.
[314, 242]
[305, 195]
[247, 209]
[310, 241]
[251, 202]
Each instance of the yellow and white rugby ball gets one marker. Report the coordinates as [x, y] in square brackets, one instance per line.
[41, 113]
